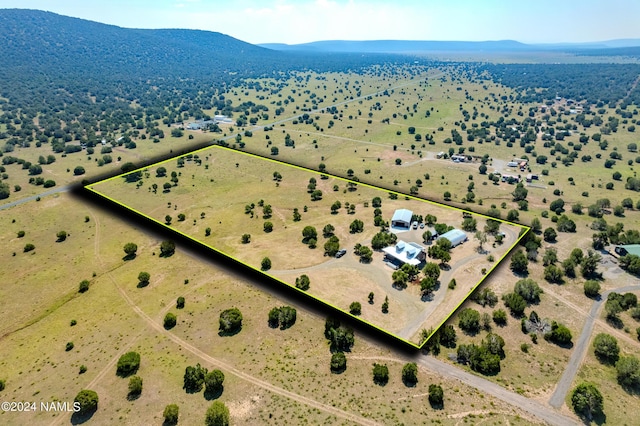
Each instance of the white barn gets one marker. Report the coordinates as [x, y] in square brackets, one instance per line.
[401, 218]
[456, 237]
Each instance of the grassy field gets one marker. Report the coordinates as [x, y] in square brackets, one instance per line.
[40, 288]
[219, 189]
[116, 316]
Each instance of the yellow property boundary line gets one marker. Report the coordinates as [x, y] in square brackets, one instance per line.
[308, 295]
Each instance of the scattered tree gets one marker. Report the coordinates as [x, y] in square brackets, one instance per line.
[128, 364]
[170, 414]
[170, 321]
[606, 348]
[230, 321]
[135, 387]
[587, 400]
[88, 401]
[265, 265]
[338, 362]
[380, 374]
[410, 374]
[217, 415]
[436, 396]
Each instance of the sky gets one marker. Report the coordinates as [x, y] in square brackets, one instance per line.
[301, 21]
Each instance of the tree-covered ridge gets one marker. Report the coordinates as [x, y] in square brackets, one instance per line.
[607, 83]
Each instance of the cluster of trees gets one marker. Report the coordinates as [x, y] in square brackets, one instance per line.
[197, 376]
[485, 358]
[283, 317]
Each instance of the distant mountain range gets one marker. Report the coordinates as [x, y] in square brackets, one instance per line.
[418, 46]
[33, 41]
[37, 40]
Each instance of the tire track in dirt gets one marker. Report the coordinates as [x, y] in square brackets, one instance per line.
[155, 326]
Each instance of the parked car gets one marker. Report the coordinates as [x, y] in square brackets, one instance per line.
[414, 225]
[422, 225]
[341, 253]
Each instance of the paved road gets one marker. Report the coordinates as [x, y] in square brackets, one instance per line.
[33, 197]
[580, 348]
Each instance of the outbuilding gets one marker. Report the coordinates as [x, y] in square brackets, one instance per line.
[401, 218]
[456, 236]
[623, 250]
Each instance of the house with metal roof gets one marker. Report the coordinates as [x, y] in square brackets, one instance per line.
[456, 236]
[404, 252]
[401, 218]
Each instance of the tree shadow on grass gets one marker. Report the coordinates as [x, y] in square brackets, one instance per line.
[436, 406]
[228, 333]
[599, 419]
[80, 418]
[409, 383]
[615, 322]
[210, 395]
[129, 257]
[142, 284]
[133, 396]
[631, 390]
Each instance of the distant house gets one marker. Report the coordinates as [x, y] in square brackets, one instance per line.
[511, 178]
[401, 218]
[627, 249]
[403, 252]
[456, 236]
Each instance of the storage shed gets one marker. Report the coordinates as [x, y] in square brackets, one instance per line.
[401, 218]
[456, 237]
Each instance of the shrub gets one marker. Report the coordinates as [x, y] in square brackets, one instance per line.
[29, 247]
[410, 374]
[88, 401]
[265, 265]
[167, 248]
[587, 400]
[559, 334]
[303, 282]
[194, 378]
[338, 362]
[230, 321]
[217, 415]
[436, 395]
[143, 279]
[606, 348]
[170, 414]
[591, 288]
[213, 381]
[180, 303]
[135, 386]
[628, 371]
[500, 317]
[469, 320]
[128, 364]
[170, 321]
[355, 308]
[69, 346]
[380, 374]
[84, 286]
